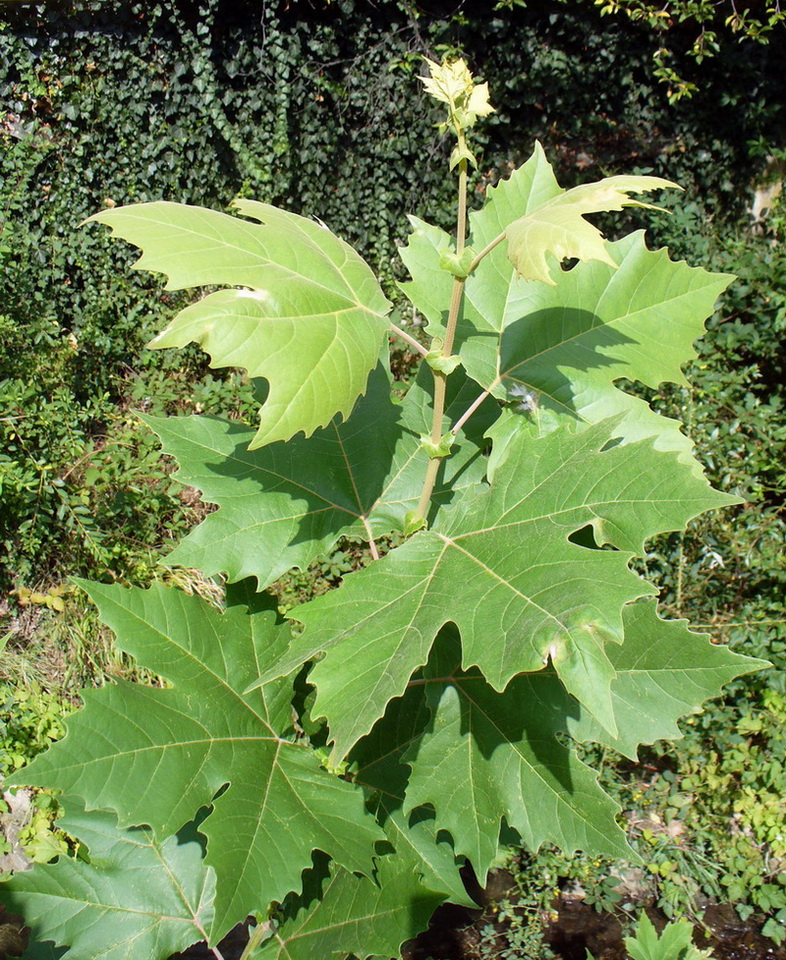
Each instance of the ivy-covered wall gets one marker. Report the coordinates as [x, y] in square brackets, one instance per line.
[310, 104]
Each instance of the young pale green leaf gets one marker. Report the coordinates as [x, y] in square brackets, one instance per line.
[529, 187]
[488, 756]
[557, 228]
[341, 914]
[283, 504]
[156, 755]
[663, 671]
[306, 312]
[565, 346]
[502, 565]
[137, 897]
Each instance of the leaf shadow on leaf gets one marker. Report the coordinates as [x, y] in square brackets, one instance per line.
[243, 593]
[44, 950]
[329, 477]
[537, 349]
[533, 711]
[457, 472]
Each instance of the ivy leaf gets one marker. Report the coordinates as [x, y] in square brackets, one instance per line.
[489, 756]
[503, 547]
[282, 505]
[187, 743]
[557, 228]
[137, 896]
[341, 914]
[306, 312]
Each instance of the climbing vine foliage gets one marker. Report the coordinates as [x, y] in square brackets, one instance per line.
[331, 772]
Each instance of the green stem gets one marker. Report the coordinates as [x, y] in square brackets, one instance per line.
[257, 936]
[485, 252]
[468, 412]
[440, 380]
[418, 347]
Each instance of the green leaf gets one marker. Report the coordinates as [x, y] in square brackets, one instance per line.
[340, 914]
[306, 313]
[674, 943]
[567, 345]
[489, 756]
[556, 228]
[381, 771]
[430, 288]
[431, 285]
[180, 747]
[457, 265]
[283, 504]
[136, 897]
[437, 450]
[503, 547]
[663, 672]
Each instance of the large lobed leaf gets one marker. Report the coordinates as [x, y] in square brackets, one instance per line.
[283, 504]
[341, 914]
[488, 756]
[523, 581]
[558, 349]
[306, 312]
[155, 756]
[136, 896]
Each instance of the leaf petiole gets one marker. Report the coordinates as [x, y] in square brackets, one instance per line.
[468, 412]
[415, 344]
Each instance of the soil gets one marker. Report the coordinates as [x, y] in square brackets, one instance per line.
[575, 927]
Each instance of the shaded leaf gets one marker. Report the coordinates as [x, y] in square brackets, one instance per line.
[489, 756]
[307, 313]
[286, 503]
[137, 897]
[430, 288]
[380, 770]
[341, 914]
[674, 943]
[181, 746]
[567, 345]
[520, 599]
